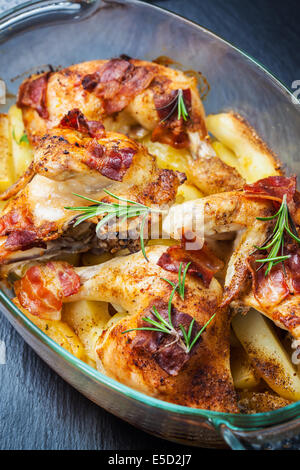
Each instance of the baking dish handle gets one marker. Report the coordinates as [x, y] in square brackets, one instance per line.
[34, 12]
[269, 438]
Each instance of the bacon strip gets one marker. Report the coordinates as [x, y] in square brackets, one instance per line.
[204, 263]
[174, 137]
[279, 283]
[117, 82]
[21, 240]
[169, 355]
[43, 287]
[292, 267]
[32, 93]
[18, 219]
[273, 187]
[18, 226]
[75, 119]
[112, 163]
[171, 130]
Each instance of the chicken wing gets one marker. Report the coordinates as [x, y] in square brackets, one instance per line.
[125, 93]
[158, 364]
[276, 294]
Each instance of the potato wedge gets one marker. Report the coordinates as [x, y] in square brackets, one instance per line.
[87, 319]
[6, 172]
[243, 373]
[59, 331]
[266, 354]
[227, 155]
[167, 156]
[187, 192]
[254, 159]
[22, 154]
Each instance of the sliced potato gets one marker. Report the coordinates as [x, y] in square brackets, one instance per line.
[254, 159]
[187, 192]
[227, 155]
[243, 373]
[59, 331]
[6, 172]
[21, 149]
[266, 354]
[115, 319]
[87, 319]
[167, 156]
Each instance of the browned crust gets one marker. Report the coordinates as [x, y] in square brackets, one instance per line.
[260, 402]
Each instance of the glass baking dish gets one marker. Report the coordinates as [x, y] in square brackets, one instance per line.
[60, 33]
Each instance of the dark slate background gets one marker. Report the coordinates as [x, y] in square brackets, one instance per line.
[38, 410]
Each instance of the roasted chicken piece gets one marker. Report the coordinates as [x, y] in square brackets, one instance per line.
[158, 364]
[133, 97]
[277, 293]
[79, 157]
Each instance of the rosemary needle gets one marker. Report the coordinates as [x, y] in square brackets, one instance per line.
[275, 243]
[112, 211]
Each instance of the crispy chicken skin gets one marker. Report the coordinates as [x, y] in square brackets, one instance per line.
[126, 93]
[201, 379]
[66, 162]
[65, 90]
[237, 214]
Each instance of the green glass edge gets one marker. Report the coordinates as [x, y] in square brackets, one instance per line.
[249, 422]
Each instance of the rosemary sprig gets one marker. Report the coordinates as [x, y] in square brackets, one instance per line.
[160, 325]
[114, 210]
[179, 104]
[275, 243]
[188, 335]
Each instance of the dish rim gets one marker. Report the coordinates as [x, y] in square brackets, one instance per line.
[249, 422]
